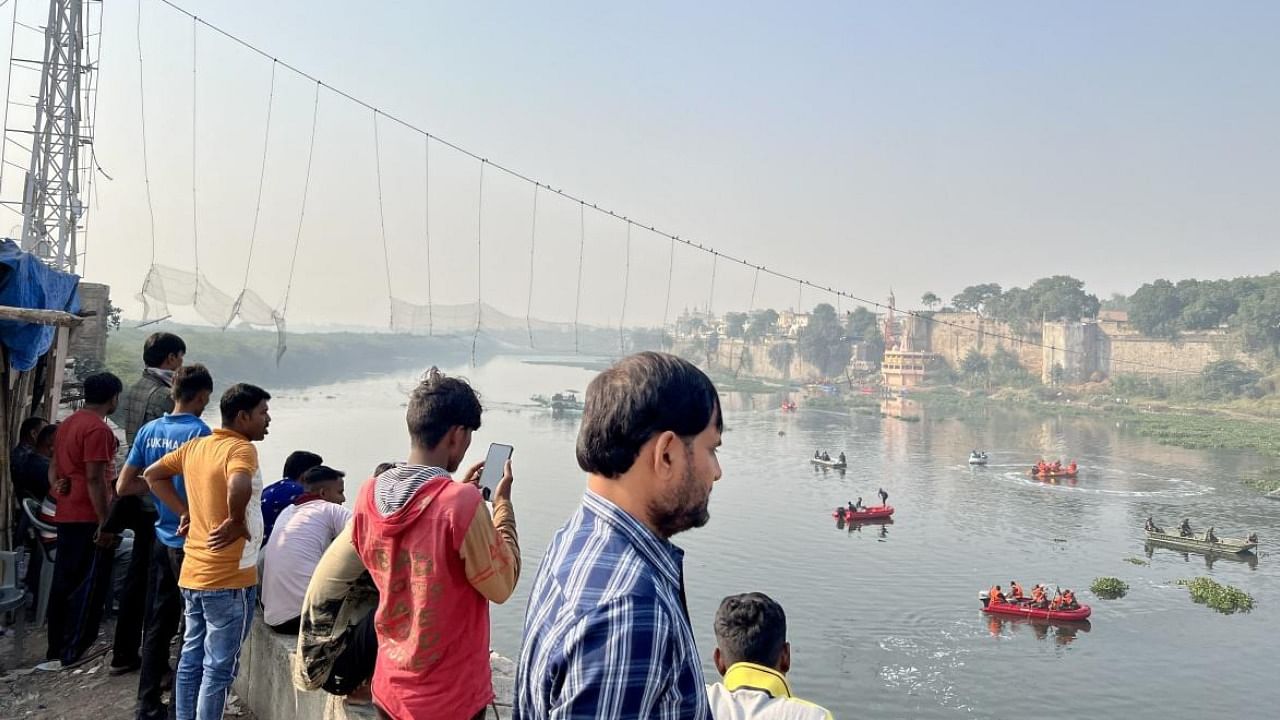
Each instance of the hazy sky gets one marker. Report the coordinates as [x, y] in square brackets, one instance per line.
[923, 146]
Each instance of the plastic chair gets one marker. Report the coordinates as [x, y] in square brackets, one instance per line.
[13, 599]
[48, 552]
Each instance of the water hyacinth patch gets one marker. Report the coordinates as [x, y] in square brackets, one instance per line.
[1226, 599]
[1109, 588]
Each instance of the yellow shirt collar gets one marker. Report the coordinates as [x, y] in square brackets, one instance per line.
[757, 677]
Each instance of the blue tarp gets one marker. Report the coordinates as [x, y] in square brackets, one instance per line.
[31, 284]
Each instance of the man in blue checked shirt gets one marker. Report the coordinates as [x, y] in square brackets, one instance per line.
[607, 631]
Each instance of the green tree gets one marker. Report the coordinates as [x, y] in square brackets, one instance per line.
[1228, 379]
[780, 357]
[975, 297]
[863, 327]
[735, 324]
[1014, 306]
[975, 368]
[1156, 309]
[1062, 297]
[823, 343]
[1117, 301]
[1259, 319]
[930, 300]
[762, 324]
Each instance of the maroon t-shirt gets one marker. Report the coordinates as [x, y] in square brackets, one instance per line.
[83, 438]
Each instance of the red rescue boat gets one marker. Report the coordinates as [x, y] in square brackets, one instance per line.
[871, 512]
[1063, 473]
[1024, 609]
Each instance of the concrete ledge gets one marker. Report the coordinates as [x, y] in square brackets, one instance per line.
[265, 683]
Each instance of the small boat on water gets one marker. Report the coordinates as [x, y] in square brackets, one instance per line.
[789, 406]
[832, 463]
[1200, 543]
[1024, 609]
[566, 401]
[977, 458]
[1063, 473]
[871, 512]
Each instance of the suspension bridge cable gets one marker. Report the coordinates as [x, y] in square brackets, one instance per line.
[426, 224]
[533, 239]
[142, 125]
[382, 219]
[302, 212]
[262, 177]
[666, 304]
[582, 249]
[195, 212]
[479, 261]
[626, 287]
[8, 87]
[711, 293]
[582, 201]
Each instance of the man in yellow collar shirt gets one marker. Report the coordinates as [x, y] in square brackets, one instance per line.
[753, 656]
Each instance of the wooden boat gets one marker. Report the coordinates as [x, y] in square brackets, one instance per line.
[560, 402]
[1024, 609]
[979, 459]
[833, 463]
[1198, 543]
[870, 512]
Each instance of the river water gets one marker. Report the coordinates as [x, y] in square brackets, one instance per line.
[884, 620]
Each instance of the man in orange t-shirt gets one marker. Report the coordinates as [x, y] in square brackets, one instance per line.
[222, 519]
[81, 476]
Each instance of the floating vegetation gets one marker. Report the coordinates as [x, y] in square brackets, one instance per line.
[1109, 588]
[1226, 599]
[1136, 561]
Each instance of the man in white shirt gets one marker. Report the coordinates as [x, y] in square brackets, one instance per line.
[753, 656]
[302, 533]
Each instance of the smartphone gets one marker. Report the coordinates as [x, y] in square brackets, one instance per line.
[494, 463]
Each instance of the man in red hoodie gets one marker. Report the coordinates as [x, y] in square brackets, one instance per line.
[438, 559]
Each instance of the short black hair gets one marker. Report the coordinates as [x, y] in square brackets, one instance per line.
[298, 462]
[439, 404]
[30, 427]
[241, 397]
[101, 387]
[160, 346]
[46, 432]
[383, 467]
[191, 380]
[320, 474]
[640, 396]
[752, 628]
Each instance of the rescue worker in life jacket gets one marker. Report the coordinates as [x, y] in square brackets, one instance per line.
[1015, 591]
[1037, 597]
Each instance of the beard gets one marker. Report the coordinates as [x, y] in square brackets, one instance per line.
[682, 507]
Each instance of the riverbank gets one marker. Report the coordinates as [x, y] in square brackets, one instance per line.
[1201, 428]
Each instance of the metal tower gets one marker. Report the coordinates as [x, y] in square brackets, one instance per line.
[51, 205]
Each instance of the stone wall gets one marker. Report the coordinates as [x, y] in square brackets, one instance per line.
[1084, 348]
[957, 333]
[728, 356]
[89, 339]
[265, 683]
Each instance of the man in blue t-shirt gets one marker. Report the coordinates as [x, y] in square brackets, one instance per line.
[279, 495]
[192, 386]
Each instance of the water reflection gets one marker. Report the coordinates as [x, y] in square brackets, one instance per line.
[1249, 559]
[1063, 632]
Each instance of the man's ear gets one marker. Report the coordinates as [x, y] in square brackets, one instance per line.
[784, 661]
[666, 446]
[719, 661]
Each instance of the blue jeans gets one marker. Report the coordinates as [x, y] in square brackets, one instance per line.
[218, 621]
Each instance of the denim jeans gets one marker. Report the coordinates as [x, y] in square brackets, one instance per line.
[218, 621]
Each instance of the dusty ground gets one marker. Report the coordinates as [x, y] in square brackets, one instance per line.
[85, 693]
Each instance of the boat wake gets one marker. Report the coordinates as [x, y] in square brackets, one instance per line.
[1103, 482]
[924, 667]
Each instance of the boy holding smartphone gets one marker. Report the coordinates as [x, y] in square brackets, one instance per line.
[438, 559]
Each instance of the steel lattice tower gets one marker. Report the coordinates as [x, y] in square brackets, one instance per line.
[51, 205]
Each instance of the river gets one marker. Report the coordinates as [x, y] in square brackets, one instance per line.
[884, 621]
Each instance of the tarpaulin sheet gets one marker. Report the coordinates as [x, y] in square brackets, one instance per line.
[31, 284]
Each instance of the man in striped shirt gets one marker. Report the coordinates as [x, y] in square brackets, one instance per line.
[607, 630]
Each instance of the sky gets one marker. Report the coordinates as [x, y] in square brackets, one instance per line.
[918, 146]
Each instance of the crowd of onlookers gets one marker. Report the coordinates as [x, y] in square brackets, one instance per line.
[389, 598]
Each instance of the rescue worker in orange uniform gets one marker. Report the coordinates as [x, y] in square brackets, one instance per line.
[1037, 596]
[1015, 591]
[1069, 600]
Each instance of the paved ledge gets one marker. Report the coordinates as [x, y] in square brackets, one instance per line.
[265, 683]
